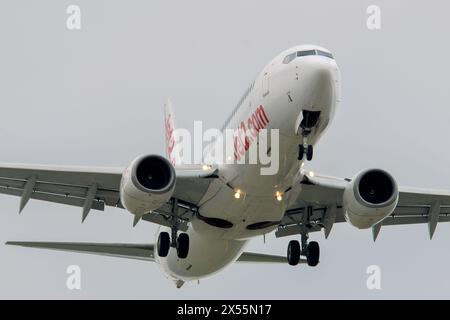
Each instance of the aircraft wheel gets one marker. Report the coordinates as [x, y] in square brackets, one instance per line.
[183, 245]
[301, 152]
[293, 253]
[313, 254]
[163, 244]
[309, 153]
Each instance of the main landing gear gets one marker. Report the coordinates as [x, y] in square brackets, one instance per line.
[310, 119]
[178, 241]
[311, 250]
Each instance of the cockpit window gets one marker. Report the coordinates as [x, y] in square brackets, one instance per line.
[325, 54]
[290, 57]
[305, 53]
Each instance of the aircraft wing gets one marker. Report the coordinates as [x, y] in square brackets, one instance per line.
[131, 251]
[92, 188]
[323, 195]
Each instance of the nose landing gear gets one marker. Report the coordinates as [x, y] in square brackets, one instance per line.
[305, 149]
[310, 120]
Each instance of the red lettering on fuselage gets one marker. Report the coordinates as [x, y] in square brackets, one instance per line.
[248, 130]
[170, 139]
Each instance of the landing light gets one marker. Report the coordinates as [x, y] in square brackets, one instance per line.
[279, 196]
[237, 194]
[206, 167]
[311, 174]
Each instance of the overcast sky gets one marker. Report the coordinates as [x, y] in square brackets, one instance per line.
[95, 97]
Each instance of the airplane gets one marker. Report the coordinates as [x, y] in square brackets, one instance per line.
[207, 213]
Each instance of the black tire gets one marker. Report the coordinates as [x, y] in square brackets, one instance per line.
[309, 153]
[293, 253]
[163, 244]
[183, 245]
[313, 254]
[301, 152]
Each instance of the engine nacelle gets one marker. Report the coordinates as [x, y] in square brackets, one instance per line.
[371, 196]
[147, 183]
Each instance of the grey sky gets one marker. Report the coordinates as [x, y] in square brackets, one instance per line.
[95, 96]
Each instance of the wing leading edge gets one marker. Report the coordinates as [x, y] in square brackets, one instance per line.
[323, 195]
[91, 188]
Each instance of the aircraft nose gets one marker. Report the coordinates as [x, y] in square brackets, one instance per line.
[317, 77]
[319, 71]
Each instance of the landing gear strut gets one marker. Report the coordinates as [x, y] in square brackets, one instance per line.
[178, 241]
[310, 119]
[310, 250]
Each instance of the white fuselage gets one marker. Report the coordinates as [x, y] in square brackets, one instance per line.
[284, 90]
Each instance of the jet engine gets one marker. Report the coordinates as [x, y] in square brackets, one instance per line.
[147, 183]
[370, 197]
